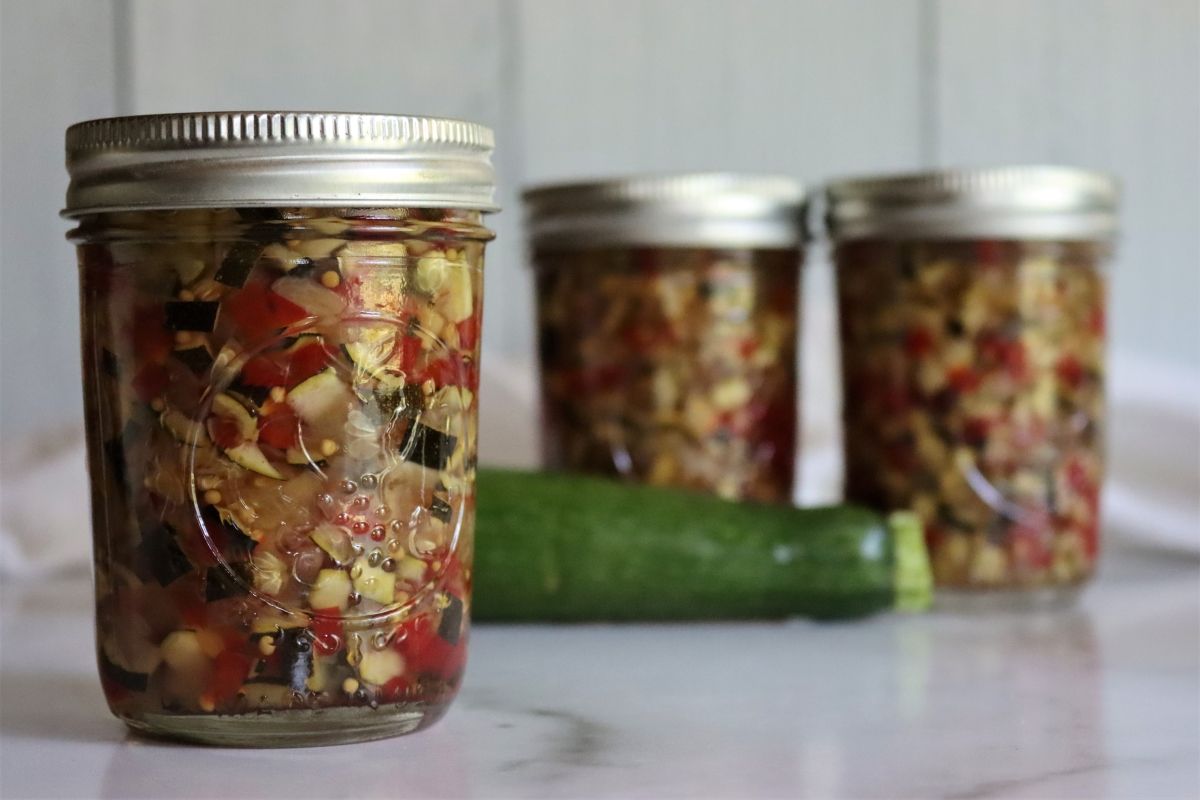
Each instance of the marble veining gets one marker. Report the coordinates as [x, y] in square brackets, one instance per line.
[1100, 701]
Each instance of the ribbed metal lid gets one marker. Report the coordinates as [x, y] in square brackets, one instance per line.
[701, 209]
[1036, 202]
[278, 158]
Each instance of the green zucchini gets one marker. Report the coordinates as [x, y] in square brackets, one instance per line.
[570, 548]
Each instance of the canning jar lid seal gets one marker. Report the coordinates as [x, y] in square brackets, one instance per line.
[277, 158]
[1029, 202]
[684, 210]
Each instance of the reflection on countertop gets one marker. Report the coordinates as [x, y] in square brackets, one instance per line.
[1099, 701]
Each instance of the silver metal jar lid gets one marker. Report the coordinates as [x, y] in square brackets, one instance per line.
[277, 158]
[690, 210]
[1036, 202]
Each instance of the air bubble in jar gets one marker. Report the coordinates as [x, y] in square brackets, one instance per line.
[348, 487]
[360, 503]
[378, 533]
[375, 558]
[393, 545]
[325, 500]
[379, 640]
[354, 599]
[397, 526]
[382, 512]
[368, 481]
[360, 527]
[388, 565]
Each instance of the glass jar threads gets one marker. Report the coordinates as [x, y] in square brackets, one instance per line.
[667, 317]
[281, 316]
[972, 312]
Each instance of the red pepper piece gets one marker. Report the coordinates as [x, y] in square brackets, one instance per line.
[918, 342]
[230, 669]
[962, 379]
[306, 361]
[989, 252]
[264, 371]
[224, 432]
[189, 602]
[1031, 546]
[1069, 371]
[280, 427]
[151, 381]
[410, 354]
[326, 629]
[114, 692]
[152, 342]
[426, 653]
[259, 312]
[975, 431]
[468, 333]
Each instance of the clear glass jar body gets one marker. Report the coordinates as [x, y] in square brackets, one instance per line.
[281, 415]
[671, 366]
[973, 375]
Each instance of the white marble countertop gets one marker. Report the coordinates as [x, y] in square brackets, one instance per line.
[1102, 701]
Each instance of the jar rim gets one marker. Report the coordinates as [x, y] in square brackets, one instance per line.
[250, 159]
[703, 209]
[1034, 202]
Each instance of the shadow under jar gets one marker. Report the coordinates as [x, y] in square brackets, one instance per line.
[972, 310]
[667, 318]
[280, 360]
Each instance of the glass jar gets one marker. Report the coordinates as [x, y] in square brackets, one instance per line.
[667, 317]
[281, 318]
[972, 327]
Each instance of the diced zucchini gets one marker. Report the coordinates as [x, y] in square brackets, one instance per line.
[181, 427]
[226, 406]
[182, 652]
[319, 396]
[373, 583]
[334, 541]
[455, 300]
[331, 590]
[380, 666]
[371, 350]
[309, 295]
[248, 455]
[431, 272]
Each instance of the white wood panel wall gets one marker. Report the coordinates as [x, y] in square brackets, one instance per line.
[56, 67]
[1106, 84]
[812, 88]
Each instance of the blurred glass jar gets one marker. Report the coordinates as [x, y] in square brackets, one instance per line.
[972, 312]
[280, 346]
[667, 319]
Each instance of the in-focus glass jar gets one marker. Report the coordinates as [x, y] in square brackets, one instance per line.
[667, 317]
[972, 327]
[281, 318]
